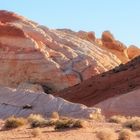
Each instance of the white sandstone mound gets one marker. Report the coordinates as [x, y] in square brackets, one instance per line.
[16, 102]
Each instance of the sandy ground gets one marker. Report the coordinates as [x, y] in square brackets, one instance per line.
[48, 133]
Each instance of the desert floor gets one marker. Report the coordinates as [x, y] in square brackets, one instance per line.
[49, 133]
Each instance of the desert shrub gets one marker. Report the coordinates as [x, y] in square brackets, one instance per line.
[44, 123]
[106, 134]
[38, 123]
[117, 119]
[62, 124]
[96, 116]
[79, 124]
[125, 134]
[69, 123]
[50, 123]
[36, 120]
[35, 117]
[133, 123]
[54, 115]
[36, 132]
[136, 125]
[14, 122]
[64, 118]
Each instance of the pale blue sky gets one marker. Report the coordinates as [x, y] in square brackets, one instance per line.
[121, 17]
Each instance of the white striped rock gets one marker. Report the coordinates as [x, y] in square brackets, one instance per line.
[13, 102]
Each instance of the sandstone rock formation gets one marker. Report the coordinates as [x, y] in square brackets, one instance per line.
[126, 104]
[107, 37]
[13, 102]
[115, 46]
[114, 83]
[34, 58]
[133, 52]
[109, 43]
[89, 36]
[53, 58]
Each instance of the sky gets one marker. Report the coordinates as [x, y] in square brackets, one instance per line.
[121, 17]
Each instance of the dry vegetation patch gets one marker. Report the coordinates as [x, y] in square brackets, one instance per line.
[126, 134]
[117, 119]
[97, 117]
[106, 134]
[39, 121]
[14, 122]
[133, 123]
[35, 117]
[69, 123]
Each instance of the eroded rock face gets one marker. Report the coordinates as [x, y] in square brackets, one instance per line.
[114, 46]
[35, 54]
[133, 51]
[12, 102]
[109, 43]
[107, 36]
[89, 36]
[121, 80]
[6, 16]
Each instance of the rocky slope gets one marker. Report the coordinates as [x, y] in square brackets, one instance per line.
[126, 104]
[19, 102]
[116, 82]
[56, 59]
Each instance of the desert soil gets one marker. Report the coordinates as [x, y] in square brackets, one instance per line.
[49, 133]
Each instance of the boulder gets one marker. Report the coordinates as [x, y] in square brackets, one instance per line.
[89, 36]
[133, 51]
[114, 46]
[107, 36]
